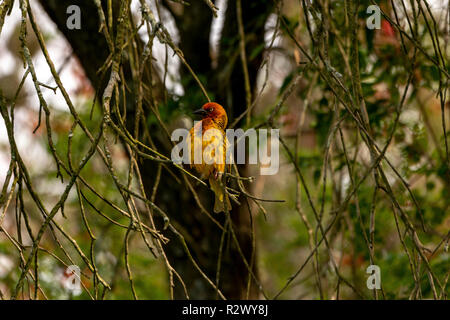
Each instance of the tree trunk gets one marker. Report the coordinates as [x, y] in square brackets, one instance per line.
[202, 235]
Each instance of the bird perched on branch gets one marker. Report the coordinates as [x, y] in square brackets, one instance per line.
[208, 146]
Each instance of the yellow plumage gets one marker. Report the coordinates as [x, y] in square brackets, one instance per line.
[208, 146]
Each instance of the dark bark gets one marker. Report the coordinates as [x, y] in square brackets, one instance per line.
[202, 235]
[230, 86]
[87, 43]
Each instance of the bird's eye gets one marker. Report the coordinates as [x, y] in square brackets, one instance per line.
[210, 109]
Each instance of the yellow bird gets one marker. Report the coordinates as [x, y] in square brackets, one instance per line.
[208, 150]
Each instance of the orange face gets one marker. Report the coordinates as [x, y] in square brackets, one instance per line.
[213, 111]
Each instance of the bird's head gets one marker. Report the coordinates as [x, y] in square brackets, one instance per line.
[215, 112]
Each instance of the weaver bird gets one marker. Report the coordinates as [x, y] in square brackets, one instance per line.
[208, 136]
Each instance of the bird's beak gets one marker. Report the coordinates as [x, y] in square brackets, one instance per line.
[201, 112]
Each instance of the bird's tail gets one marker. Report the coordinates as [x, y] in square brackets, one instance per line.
[221, 201]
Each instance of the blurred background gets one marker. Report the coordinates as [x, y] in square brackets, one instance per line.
[397, 216]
